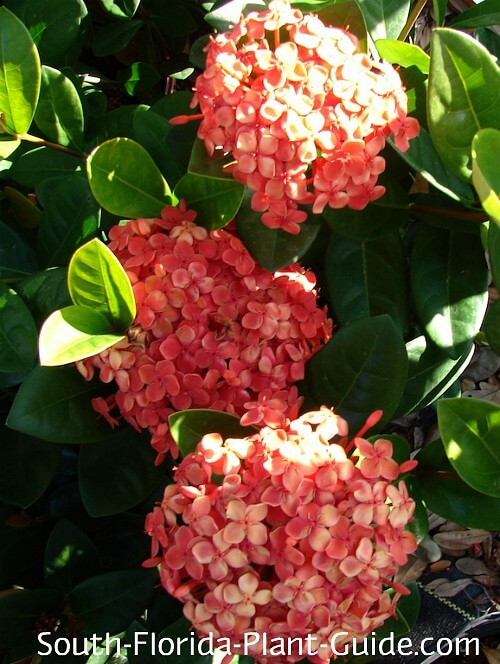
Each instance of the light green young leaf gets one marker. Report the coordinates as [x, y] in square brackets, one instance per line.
[485, 173]
[404, 54]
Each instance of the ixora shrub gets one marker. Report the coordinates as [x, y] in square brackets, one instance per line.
[234, 230]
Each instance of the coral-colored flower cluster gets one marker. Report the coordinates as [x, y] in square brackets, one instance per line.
[283, 533]
[303, 111]
[213, 328]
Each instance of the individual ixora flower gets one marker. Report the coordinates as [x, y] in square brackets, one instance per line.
[297, 538]
[303, 111]
[213, 329]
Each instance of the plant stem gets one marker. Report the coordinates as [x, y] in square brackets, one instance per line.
[48, 144]
[479, 217]
[411, 19]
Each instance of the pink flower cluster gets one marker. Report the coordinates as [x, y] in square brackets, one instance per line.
[282, 533]
[213, 329]
[303, 111]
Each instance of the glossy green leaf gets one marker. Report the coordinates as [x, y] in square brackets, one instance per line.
[464, 84]
[18, 333]
[139, 78]
[215, 201]
[57, 28]
[404, 54]
[74, 333]
[120, 8]
[27, 466]
[440, 7]
[40, 164]
[438, 210]
[347, 15]
[273, 248]
[70, 556]
[422, 156]
[446, 494]
[470, 431]
[494, 251]
[492, 327]
[367, 278]
[96, 279]
[8, 145]
[449, 281]
[361, 369]
[59, 114]
[385, 19]
[188, 427]
[19, 74]
[44, 292]
[430, 373]
[489, 39]
[118, 473]
[114, 37]
[209, 166]
[484, 14]
[70, 216]
[109, 602]
[126, 181]
[118, 123]
[485, 175]
[49, 398]
[368, 224]
[20, 612]
[25, 214]
[17, 258]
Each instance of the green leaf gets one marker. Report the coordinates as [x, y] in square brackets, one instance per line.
[224, 16]
[485, 14]
[407, 612]
[18, 333]
[174, 21]
[485, 176]
[179, 630]
[139, 78]
[438, 210]
[19, 74]
[367, 278]
[273, 248]
[494, 252]
[27, 466]
[187, 427]
[347, 15]
[40, 164]
[470, 431]
[8, 145]
[120, 8]
[22, 209]
[44, 292]
[110, 602]
[368, 224]
[430, 373]
[114, 37]
[59, 114]
[446, 494]
[215, 201]
[401, 53]
[126, 181]
[492, 327]
[118, 123]
[96, 279]
[17, 259]
[118, 473]
[361, 369]
[420, 524]
[209, 166]
[70, 217]
[70, 556]
[440, 7]
[74, 333]
[49, 398]
[449, 280]
[57, 28]
[464, 84]
[385, 19]
[422, 156]
[20, 612]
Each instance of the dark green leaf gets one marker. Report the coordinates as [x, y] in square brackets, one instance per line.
[20, 612]
[464, 84]
[273, 248]
[174, 21]
[70, 556]
[422, 156]
[486, 13]
[40, 164]
[407, 611]
[361, 369]
[215, 201]
[20, 552]
[368, 224]
[440, 7]
[401, 53]
[209, 166]
[25, 214]
[367, 278]
[71, 216]
[188, 427]
[490, 40]
[27, 466]
[19, 74]
[492, 327]
[347, 15]
[439, 210]
[126, 181]
[17, 259]
[110, 602]
[118, 473]
[49, 398]
[120, 8]
[177, 631]
[430, 374]
[446, 494]
[96, 279]
[57, 28]
[494, 252]
[118, 123]
[59, 114]
[385, 19]
[470, 430]
[114, 37]
[449, 280]
[139, 78]
[485, 176]
[420, 524]
[73, 334]
[44, 292]
[18, 333]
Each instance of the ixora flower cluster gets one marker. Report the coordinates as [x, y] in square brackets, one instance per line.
[283, 534]
[303, 111]
[213, 329]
